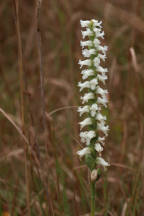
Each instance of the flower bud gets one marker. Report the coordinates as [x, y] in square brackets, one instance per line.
[94, 175]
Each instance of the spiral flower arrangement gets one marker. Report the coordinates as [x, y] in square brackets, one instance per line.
[94, 99]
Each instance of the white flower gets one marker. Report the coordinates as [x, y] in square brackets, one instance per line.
[87, 136]
[88, 52]
[87, 97]
[102, 127]
[93, 84]
[86, 62]
[98, 33]
[90, 135]
[96, 23]
[84, 85]
[102, 100]
[101, 140]
[101, 91]
[84, 109]
[87, 73]
[93, 109]
[85, 23]
[102, 70]
[102, 56]
[102, 162]
[96, 43]
[98, 147]
[86, 33]
[84, 151]
[96, 61]
[103, 49]
[85, 122]
[100, 117]
[86, 43]
[83, 136]
[102, 78]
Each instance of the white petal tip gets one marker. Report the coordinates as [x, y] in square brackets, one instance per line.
[102, 162]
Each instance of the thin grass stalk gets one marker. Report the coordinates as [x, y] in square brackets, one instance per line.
[20, 63]
[21, 84]
[41, 74]
[39, 42]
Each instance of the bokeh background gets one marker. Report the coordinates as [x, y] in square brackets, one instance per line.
[39, 168]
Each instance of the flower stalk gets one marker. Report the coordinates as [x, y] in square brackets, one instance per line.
[94, 100]
[93, 198]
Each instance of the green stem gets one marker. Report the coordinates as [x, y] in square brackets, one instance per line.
[92, 198]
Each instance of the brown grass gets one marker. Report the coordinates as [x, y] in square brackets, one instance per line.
[45, 118]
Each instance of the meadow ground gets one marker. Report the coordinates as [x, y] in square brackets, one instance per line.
[40, 172]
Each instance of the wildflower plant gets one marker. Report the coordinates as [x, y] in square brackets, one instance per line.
[93, 127]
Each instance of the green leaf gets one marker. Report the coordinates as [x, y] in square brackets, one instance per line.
[90, 161]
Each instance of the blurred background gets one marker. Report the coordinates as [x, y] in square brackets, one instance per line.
[40, 172]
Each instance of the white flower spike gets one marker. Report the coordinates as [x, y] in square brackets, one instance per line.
[94, 99]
